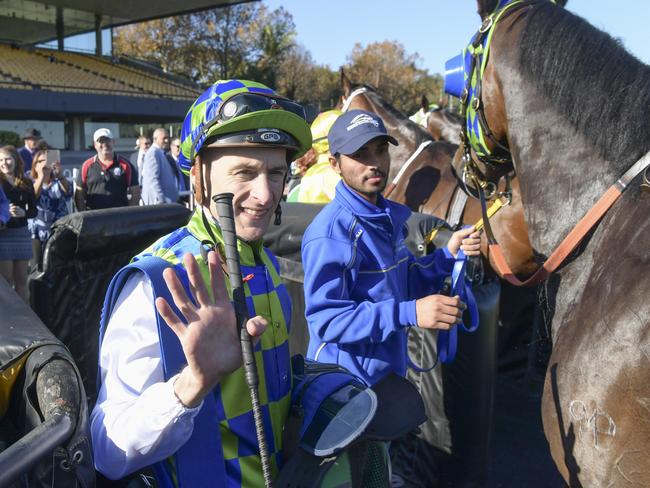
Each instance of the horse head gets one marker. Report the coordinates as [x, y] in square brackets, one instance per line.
[444, 125]
[566, 107]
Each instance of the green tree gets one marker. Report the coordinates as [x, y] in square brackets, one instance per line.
[235, 41]
[394, 73]
[273, 38]
[9, 138]
[300, 78]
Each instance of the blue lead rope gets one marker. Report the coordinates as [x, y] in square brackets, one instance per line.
[448, 339]
[460, 285]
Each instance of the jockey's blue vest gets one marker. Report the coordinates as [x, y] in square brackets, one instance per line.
[223, 448]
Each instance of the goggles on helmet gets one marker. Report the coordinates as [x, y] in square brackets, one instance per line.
[245, 103]
[231, 107]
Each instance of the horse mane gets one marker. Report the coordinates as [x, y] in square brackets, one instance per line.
[451, 115]
[591, 80]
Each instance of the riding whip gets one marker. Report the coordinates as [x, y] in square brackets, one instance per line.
[225, 212]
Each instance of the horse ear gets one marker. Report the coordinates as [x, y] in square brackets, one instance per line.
[486, 7]
[561, 3]
[424, 103]
[346, 84]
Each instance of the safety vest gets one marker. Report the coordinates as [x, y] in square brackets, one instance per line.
[227, 455]
[319, 182]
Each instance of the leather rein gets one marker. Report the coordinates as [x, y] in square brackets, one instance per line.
[473, 172]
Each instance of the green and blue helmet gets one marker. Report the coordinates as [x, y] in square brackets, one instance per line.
[239, 113]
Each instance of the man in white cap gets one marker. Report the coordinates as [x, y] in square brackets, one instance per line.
[106, 180]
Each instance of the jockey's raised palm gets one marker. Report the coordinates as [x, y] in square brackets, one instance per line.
[209, 339]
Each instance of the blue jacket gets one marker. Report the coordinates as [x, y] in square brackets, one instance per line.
[361, 283]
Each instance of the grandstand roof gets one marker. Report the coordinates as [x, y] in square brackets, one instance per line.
[44, 83]
[34, 21]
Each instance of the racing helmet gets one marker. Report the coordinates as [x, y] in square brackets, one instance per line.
[320, 127]
[242, 113]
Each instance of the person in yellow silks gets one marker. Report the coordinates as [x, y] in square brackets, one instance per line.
[318, 183]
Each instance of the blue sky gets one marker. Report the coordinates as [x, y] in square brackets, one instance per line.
[329, 29]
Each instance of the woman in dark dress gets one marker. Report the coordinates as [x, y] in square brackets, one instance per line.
[15, 238]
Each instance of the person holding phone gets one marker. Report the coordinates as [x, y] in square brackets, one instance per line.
[15, 247]
[52, 192]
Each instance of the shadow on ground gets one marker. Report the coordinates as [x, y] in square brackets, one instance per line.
[520, 453]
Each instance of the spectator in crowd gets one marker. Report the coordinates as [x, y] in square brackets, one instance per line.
[31, 139]
[52, 192]
[174, 151]
[106, 180]
[319, 180]
[15, 242]
[137, 158]
[159, 180]
[175, 148]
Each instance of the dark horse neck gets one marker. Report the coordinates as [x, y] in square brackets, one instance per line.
[576, 109]
[577, 115]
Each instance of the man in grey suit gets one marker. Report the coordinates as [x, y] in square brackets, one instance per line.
[159, 180]
[137, 158]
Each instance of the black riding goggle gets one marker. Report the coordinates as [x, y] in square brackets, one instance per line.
[244, 103]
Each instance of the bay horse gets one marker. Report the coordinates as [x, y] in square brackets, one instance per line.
[572, 107]
[428, 185]
[442, 124]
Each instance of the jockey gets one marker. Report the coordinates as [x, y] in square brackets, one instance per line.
[180, 407]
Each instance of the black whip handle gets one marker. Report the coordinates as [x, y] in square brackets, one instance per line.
[223, 202]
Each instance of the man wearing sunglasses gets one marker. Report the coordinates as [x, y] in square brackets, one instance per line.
[193, 426]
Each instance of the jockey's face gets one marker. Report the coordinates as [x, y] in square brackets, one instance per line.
[255, 176]
[366, 170]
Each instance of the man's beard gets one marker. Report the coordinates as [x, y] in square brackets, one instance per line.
[363, 191]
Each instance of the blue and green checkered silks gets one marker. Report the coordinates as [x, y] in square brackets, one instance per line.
[204, 110]
[265, 296]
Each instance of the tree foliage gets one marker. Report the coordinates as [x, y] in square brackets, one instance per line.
[228, 42]
[394, 73]
[250, 41]
[300, 78]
